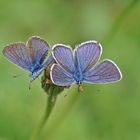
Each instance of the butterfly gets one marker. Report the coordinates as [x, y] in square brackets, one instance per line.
[30, 56]
[81, 65]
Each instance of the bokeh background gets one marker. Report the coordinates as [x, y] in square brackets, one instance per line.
[100, 112]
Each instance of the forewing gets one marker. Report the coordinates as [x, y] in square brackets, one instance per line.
[87, 54]
[38, 49]
[105, 72]
[18, 54]
[64, 56]
[60, 77]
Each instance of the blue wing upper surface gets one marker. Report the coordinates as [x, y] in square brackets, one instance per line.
[104, 72]
[64, 57]
[18, 54]
[38, 49]
[60, 76]
[87, 55]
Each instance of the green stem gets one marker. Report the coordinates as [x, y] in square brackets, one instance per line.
[50, 104]
[72, 99]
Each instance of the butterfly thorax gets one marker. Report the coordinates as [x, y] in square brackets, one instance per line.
[78, 76]
[35, 67]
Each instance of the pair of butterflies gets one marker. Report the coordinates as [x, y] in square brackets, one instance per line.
[69, 66]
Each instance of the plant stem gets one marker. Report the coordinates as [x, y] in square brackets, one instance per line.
[73, 98]
[50, 104]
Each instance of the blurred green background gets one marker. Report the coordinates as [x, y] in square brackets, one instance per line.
[101, 112]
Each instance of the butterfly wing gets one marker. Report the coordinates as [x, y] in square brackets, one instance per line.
[64, 57]
[104, 72]
[60, 76]
[49, 60]
[18, 54]
[87, 55]
[38, 49]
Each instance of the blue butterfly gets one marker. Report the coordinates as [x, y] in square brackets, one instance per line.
[81, 65]
[30, 56]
